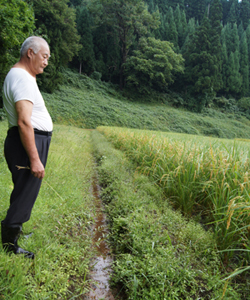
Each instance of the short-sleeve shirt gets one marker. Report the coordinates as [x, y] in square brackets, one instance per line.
[20, 85]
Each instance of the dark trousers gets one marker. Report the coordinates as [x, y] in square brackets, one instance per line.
[26, 186]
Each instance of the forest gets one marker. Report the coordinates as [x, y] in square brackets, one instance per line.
[199, 49]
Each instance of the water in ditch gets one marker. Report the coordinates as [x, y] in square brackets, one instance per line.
[101, 267]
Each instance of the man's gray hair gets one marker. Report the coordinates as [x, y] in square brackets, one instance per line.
[33, 42]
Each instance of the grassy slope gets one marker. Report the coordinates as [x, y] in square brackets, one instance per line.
[61, 217]
[86, 103]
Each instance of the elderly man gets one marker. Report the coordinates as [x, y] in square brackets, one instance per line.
[28, 138]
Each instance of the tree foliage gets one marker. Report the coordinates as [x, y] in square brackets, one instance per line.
[86, 54]
[56, 22]
[130, 20]
[154, 64]
[16, 24]
[245, 12]
[200, 67]
[244, 65]
[215, 17]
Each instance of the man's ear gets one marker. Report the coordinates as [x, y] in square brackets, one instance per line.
[29, 53]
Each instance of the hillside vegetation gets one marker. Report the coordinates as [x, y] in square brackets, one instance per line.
[87, 103]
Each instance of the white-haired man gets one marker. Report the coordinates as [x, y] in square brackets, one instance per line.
[28, 138]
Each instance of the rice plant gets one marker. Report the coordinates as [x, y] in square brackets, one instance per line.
[201, 176]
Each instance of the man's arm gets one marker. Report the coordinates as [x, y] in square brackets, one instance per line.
[24, 111]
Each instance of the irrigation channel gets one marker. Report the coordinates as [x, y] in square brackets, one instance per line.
[101, 266]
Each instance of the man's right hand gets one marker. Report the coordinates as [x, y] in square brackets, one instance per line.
[37, 169]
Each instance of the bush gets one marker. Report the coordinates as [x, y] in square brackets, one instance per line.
[96, 75]
[244, 103]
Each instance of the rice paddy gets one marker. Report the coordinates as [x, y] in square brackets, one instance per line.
[206, 178]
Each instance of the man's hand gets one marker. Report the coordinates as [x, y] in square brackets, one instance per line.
[37, 169]
[24, 111]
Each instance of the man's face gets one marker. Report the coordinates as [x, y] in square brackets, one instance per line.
[39, 60]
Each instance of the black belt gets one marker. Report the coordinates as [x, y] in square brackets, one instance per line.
[41, 132]
[14, 130]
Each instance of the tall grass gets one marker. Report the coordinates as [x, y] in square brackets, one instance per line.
[203, 177]
[61, 220]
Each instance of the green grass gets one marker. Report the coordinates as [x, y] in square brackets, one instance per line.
[61, 221]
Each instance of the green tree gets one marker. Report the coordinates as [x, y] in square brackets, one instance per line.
[174, 4]
[233, 15]
[153, 65]
[162, 5]
[234, 41]
[86, 55]
[114, 59]
[248, 37]
[107, 52]
[200, 8]
[245, 12]
[16, 24]
[248, 42]
[201, 61]
[234, 78]
[181, 25]
[55, 21]
[100, 42]
[232, 75]
[225, 9]
[224, 57]
[240, 30]
[244, 65]
[157, 33]
[215, 18]
[151, 6]
[195, 9]
[201, 72]
[130, 20]
[183, 32]
[160, 32]
[191, 27]
[76, 2]
[231, 37]
[171, 30]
